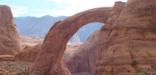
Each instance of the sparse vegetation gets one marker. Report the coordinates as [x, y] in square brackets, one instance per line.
[24, 71]
[14, 68]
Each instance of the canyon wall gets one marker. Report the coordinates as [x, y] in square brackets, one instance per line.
[130, 47]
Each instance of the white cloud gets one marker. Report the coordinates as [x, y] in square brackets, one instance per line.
[85, 3]
[62, 8]
[70, 7]
[19, 10]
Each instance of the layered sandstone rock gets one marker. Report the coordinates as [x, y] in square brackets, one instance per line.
[131, 45]
[71, 50]
[9, 39]
[7, 58]
[83, 61]
[29, 53]
[55, 42]
[127, 43]
[30, 47]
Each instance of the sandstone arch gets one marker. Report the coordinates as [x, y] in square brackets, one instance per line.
[49, 60]
[128, 48]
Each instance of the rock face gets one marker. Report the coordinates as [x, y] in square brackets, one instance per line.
[29, 53]
[127, 46]
[130, 48]
[30, 47]
[9, 40]
[83, 61]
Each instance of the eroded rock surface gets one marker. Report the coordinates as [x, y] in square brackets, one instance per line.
[29, 53]
[30, 48]
[9, 39]
[55, 42]
[131, 45]
[83, 59]
[128, 40]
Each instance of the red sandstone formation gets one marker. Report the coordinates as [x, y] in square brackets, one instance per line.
[7, 58]
[9, 39]
[30, 48]
[71, 50]
[83, 60]
[131, 45]
[55, 42]
[29, 53]
[127, 43]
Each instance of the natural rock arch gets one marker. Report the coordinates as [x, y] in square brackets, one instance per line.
[49, 60]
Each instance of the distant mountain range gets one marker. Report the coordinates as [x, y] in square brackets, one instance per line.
[39, 26]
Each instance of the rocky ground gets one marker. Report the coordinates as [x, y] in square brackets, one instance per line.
[14, 68]
[22, 68]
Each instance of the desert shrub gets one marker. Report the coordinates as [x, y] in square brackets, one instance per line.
[24, 71]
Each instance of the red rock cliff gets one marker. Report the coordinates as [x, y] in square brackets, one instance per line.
[9, 39]
[131, 45]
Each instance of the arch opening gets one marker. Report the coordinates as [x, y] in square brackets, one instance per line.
[83, 33]
[79, 58]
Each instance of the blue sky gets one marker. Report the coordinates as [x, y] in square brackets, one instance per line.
[54, 7]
